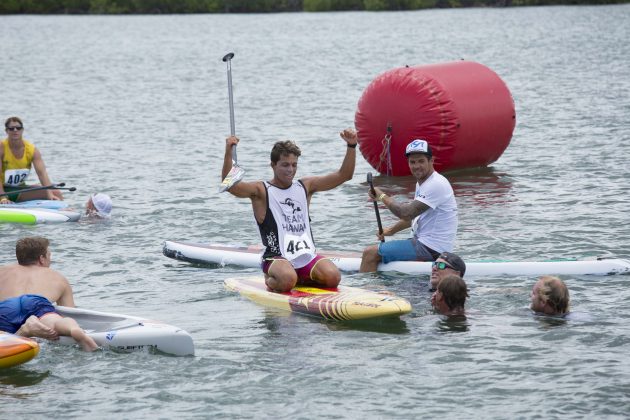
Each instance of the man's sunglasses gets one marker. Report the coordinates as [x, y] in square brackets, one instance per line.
[14, 128]
[440, 265]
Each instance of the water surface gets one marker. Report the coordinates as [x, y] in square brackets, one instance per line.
[136, 106]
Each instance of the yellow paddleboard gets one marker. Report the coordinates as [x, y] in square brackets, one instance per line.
[344, 303]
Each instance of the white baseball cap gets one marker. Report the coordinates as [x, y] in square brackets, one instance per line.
[418, 146]
[102, 204]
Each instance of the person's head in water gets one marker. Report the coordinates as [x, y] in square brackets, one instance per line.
[550, 296]
[450, 295]
[99, 205]
[447, 264]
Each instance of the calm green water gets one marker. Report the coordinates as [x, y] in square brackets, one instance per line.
[136, 106]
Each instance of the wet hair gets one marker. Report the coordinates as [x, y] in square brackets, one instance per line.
[13, 119]
[454, 291]
[284, 148]
[554, 292]
[28, 250]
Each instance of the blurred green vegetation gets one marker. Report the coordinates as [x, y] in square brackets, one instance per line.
[256, 6]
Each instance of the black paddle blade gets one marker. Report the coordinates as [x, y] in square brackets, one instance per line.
[228, 56]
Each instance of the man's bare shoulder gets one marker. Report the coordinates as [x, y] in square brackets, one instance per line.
[16, 272]
[10, 271]
[51, 284]
[9, 267]
[53, 275]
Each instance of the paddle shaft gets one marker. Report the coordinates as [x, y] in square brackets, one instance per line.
[228, 59]
[46, 187]
[236, 173]
[378, 214]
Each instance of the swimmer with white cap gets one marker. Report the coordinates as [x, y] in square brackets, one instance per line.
[99, 205]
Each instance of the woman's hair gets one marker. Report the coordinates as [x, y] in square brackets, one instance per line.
[454, 291]
[13, 119]
[554, 292]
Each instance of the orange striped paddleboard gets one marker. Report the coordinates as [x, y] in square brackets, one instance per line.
[15, 350]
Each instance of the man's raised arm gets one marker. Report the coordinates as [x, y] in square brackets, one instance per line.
[345, 172]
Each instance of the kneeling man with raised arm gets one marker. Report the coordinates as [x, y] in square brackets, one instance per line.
[281, 209]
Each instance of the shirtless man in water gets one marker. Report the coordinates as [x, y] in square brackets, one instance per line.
[281, 209]
[27, 291]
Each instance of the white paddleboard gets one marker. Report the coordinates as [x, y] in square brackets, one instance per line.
[40, 204]
[33, 216]
[129, 333]
[249, 256]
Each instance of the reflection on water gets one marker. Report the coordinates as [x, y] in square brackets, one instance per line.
[143, 100]
[380, 325]
[20, 376]
[547, 321]
[484, 186]
[401, 185]
[454, 323]
[277, 321]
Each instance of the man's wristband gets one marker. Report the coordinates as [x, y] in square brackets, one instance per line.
[352, 146]
[381, 197]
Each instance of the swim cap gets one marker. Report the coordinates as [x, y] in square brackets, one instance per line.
[102, 204]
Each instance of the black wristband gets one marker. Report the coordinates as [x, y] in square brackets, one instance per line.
[352, 146]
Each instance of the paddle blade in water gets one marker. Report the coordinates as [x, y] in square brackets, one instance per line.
[232, 178]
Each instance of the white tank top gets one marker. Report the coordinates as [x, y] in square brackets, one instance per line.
[286, 229]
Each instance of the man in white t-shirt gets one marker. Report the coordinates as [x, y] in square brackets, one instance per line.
[432, 215]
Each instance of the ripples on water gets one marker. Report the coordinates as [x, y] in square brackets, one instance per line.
[136, 106]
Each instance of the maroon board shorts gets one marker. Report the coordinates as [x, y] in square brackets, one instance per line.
[304, 273]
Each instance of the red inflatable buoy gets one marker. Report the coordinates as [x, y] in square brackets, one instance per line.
[463, 109]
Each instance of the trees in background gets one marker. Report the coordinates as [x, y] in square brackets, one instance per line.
[254, 6]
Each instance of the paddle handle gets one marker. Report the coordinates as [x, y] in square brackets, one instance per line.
[59, 186]
[228, 60]
[376, 211]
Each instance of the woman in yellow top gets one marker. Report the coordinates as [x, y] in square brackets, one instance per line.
[17, 156]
